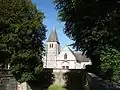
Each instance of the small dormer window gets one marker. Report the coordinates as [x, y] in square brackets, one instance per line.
[65, 56]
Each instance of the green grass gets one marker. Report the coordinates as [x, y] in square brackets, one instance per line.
[56, 87]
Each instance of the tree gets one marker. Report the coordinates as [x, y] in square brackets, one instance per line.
[92, 25]
[21, 38]
[110, 64]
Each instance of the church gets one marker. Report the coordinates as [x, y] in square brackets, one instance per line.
[62, 58]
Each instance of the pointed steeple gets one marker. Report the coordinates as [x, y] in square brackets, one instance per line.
[53, 36]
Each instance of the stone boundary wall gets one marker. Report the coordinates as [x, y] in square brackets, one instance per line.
[97, 83]
[71, 79]
[8, 81]
[59, 76]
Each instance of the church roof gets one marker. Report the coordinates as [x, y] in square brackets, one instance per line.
[53, 36]
[80, 57]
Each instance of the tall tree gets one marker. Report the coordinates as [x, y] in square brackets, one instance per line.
[92, 24]
[21, 38]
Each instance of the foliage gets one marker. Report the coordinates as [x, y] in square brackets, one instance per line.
[110, 64]
[89, 22]
[21, 38]
[93, 25]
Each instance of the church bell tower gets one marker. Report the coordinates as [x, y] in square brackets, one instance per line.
[52, 49]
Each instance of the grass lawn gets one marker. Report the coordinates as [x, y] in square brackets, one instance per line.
[56, 87]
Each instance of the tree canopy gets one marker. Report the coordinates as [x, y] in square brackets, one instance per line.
[90, 22]
[21, 38]
[93, 25]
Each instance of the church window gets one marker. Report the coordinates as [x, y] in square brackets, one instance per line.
[65, 56]
[67, 67]
[52, 45]
[63, 67]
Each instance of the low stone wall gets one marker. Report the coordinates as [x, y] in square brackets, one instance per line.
[70, 79]
[97, 83]
[59, 78]
[7, 81]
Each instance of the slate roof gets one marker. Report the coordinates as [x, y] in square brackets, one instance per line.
[53, 37]
[80, 57]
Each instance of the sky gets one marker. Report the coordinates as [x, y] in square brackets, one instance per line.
[51, 20]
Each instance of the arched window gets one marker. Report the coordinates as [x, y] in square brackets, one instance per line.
[65, 56]
[50, 45]
[65, 65]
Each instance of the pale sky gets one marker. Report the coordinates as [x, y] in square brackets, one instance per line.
[51, 20]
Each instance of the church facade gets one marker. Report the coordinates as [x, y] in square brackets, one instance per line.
[62, 58]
